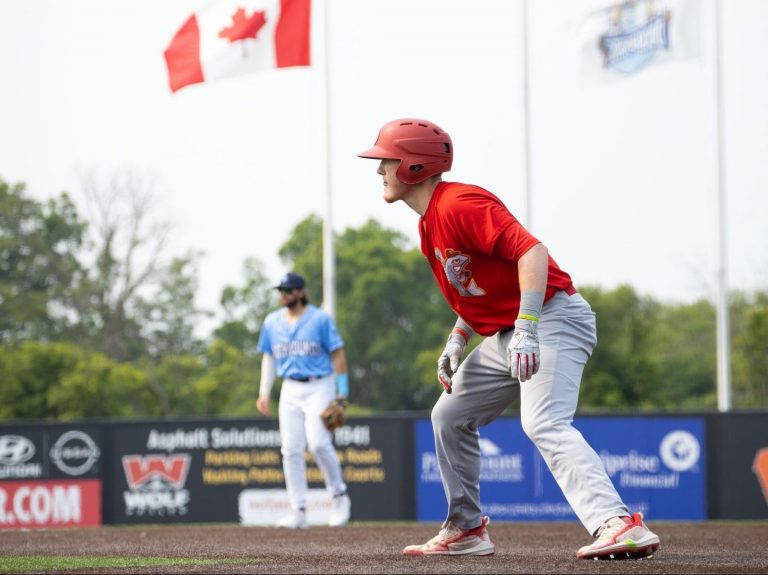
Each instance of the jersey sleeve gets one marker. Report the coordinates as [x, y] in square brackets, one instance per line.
[332, 338]
[265, 343]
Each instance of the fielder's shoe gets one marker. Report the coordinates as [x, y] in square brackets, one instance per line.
[454, 541]
[622, 538]
[296, 519]
[340, 509]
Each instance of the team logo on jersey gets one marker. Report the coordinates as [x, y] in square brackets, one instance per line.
[456, 267]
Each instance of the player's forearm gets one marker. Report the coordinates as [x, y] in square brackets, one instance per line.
[533, 269]
[267, 374]
[463, 328]
[339, 360]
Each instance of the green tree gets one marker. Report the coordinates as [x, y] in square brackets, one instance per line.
[169, 317]
[303, 253]
[226, 384]
[62, 381]
[100, 387]
[126, 245]
[683, 341]
[623, 372]
[39, 244]
[245, 308]
[749, 323]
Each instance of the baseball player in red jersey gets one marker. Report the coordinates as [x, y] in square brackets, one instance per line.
[539, 332]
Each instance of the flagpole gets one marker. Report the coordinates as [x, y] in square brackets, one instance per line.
[528, 211]
[723, 314]
[329, 257]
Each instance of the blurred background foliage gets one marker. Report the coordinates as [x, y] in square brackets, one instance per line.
[96, 320]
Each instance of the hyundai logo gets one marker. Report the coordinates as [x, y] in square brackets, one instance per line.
[15, 449]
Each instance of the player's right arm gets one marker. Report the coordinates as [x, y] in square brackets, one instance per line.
[267, 380]
[449, 360]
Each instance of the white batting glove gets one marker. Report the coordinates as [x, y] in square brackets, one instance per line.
[449, 360]
[523, 350]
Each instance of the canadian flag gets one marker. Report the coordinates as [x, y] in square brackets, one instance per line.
[231, 38]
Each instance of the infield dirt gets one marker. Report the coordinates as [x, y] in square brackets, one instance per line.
[710, 547]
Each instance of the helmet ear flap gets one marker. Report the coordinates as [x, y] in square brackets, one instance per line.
[412, 173]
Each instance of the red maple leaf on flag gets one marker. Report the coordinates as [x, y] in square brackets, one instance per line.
[243, 27]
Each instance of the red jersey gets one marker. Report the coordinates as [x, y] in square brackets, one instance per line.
[473, 243]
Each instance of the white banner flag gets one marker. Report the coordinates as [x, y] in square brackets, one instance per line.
[624, 39]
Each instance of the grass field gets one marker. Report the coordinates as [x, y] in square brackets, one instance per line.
[74, 563]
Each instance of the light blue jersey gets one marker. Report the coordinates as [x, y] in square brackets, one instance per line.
[301, 350]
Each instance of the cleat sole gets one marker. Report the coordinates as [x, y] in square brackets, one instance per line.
[636, 554]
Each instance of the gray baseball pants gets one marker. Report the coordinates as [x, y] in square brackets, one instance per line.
[483, 388]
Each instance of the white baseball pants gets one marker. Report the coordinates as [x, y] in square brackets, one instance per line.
[483, 388]
[300, 428]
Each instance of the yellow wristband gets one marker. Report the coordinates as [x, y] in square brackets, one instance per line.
[528, 317]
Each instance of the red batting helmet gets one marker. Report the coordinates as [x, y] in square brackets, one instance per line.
[423, 149]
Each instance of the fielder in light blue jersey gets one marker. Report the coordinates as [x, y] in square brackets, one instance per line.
[300, 344]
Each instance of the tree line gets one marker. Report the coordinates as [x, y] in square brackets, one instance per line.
[97, 321]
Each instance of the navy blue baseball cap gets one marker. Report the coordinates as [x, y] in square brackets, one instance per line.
[291, 280]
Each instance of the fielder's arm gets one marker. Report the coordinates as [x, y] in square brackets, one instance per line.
[339, 360]
[267, 380]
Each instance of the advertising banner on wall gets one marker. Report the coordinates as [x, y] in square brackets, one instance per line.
[198, 471]
[738, 470]
[62, 503]
[50, 476]
[657, 465]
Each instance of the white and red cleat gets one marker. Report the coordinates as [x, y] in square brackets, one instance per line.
[454, 541]
[622, 538]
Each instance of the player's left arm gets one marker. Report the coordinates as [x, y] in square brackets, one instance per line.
[335, 414]
[339, 361]
[523, 355]
[533, 269]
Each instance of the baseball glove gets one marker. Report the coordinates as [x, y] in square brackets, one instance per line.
[335, 415]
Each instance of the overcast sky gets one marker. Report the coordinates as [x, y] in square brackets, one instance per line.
[623, 172]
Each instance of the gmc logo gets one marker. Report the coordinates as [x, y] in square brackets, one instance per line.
[15, 449]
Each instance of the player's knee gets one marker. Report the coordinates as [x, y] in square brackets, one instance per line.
[535, 428]
[292, 453]
[320, 447]
[440, 417]
[447, 421]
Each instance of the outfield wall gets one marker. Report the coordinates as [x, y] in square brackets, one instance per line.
[672, 467]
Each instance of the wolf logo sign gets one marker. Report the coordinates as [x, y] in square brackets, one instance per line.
[156, 484]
